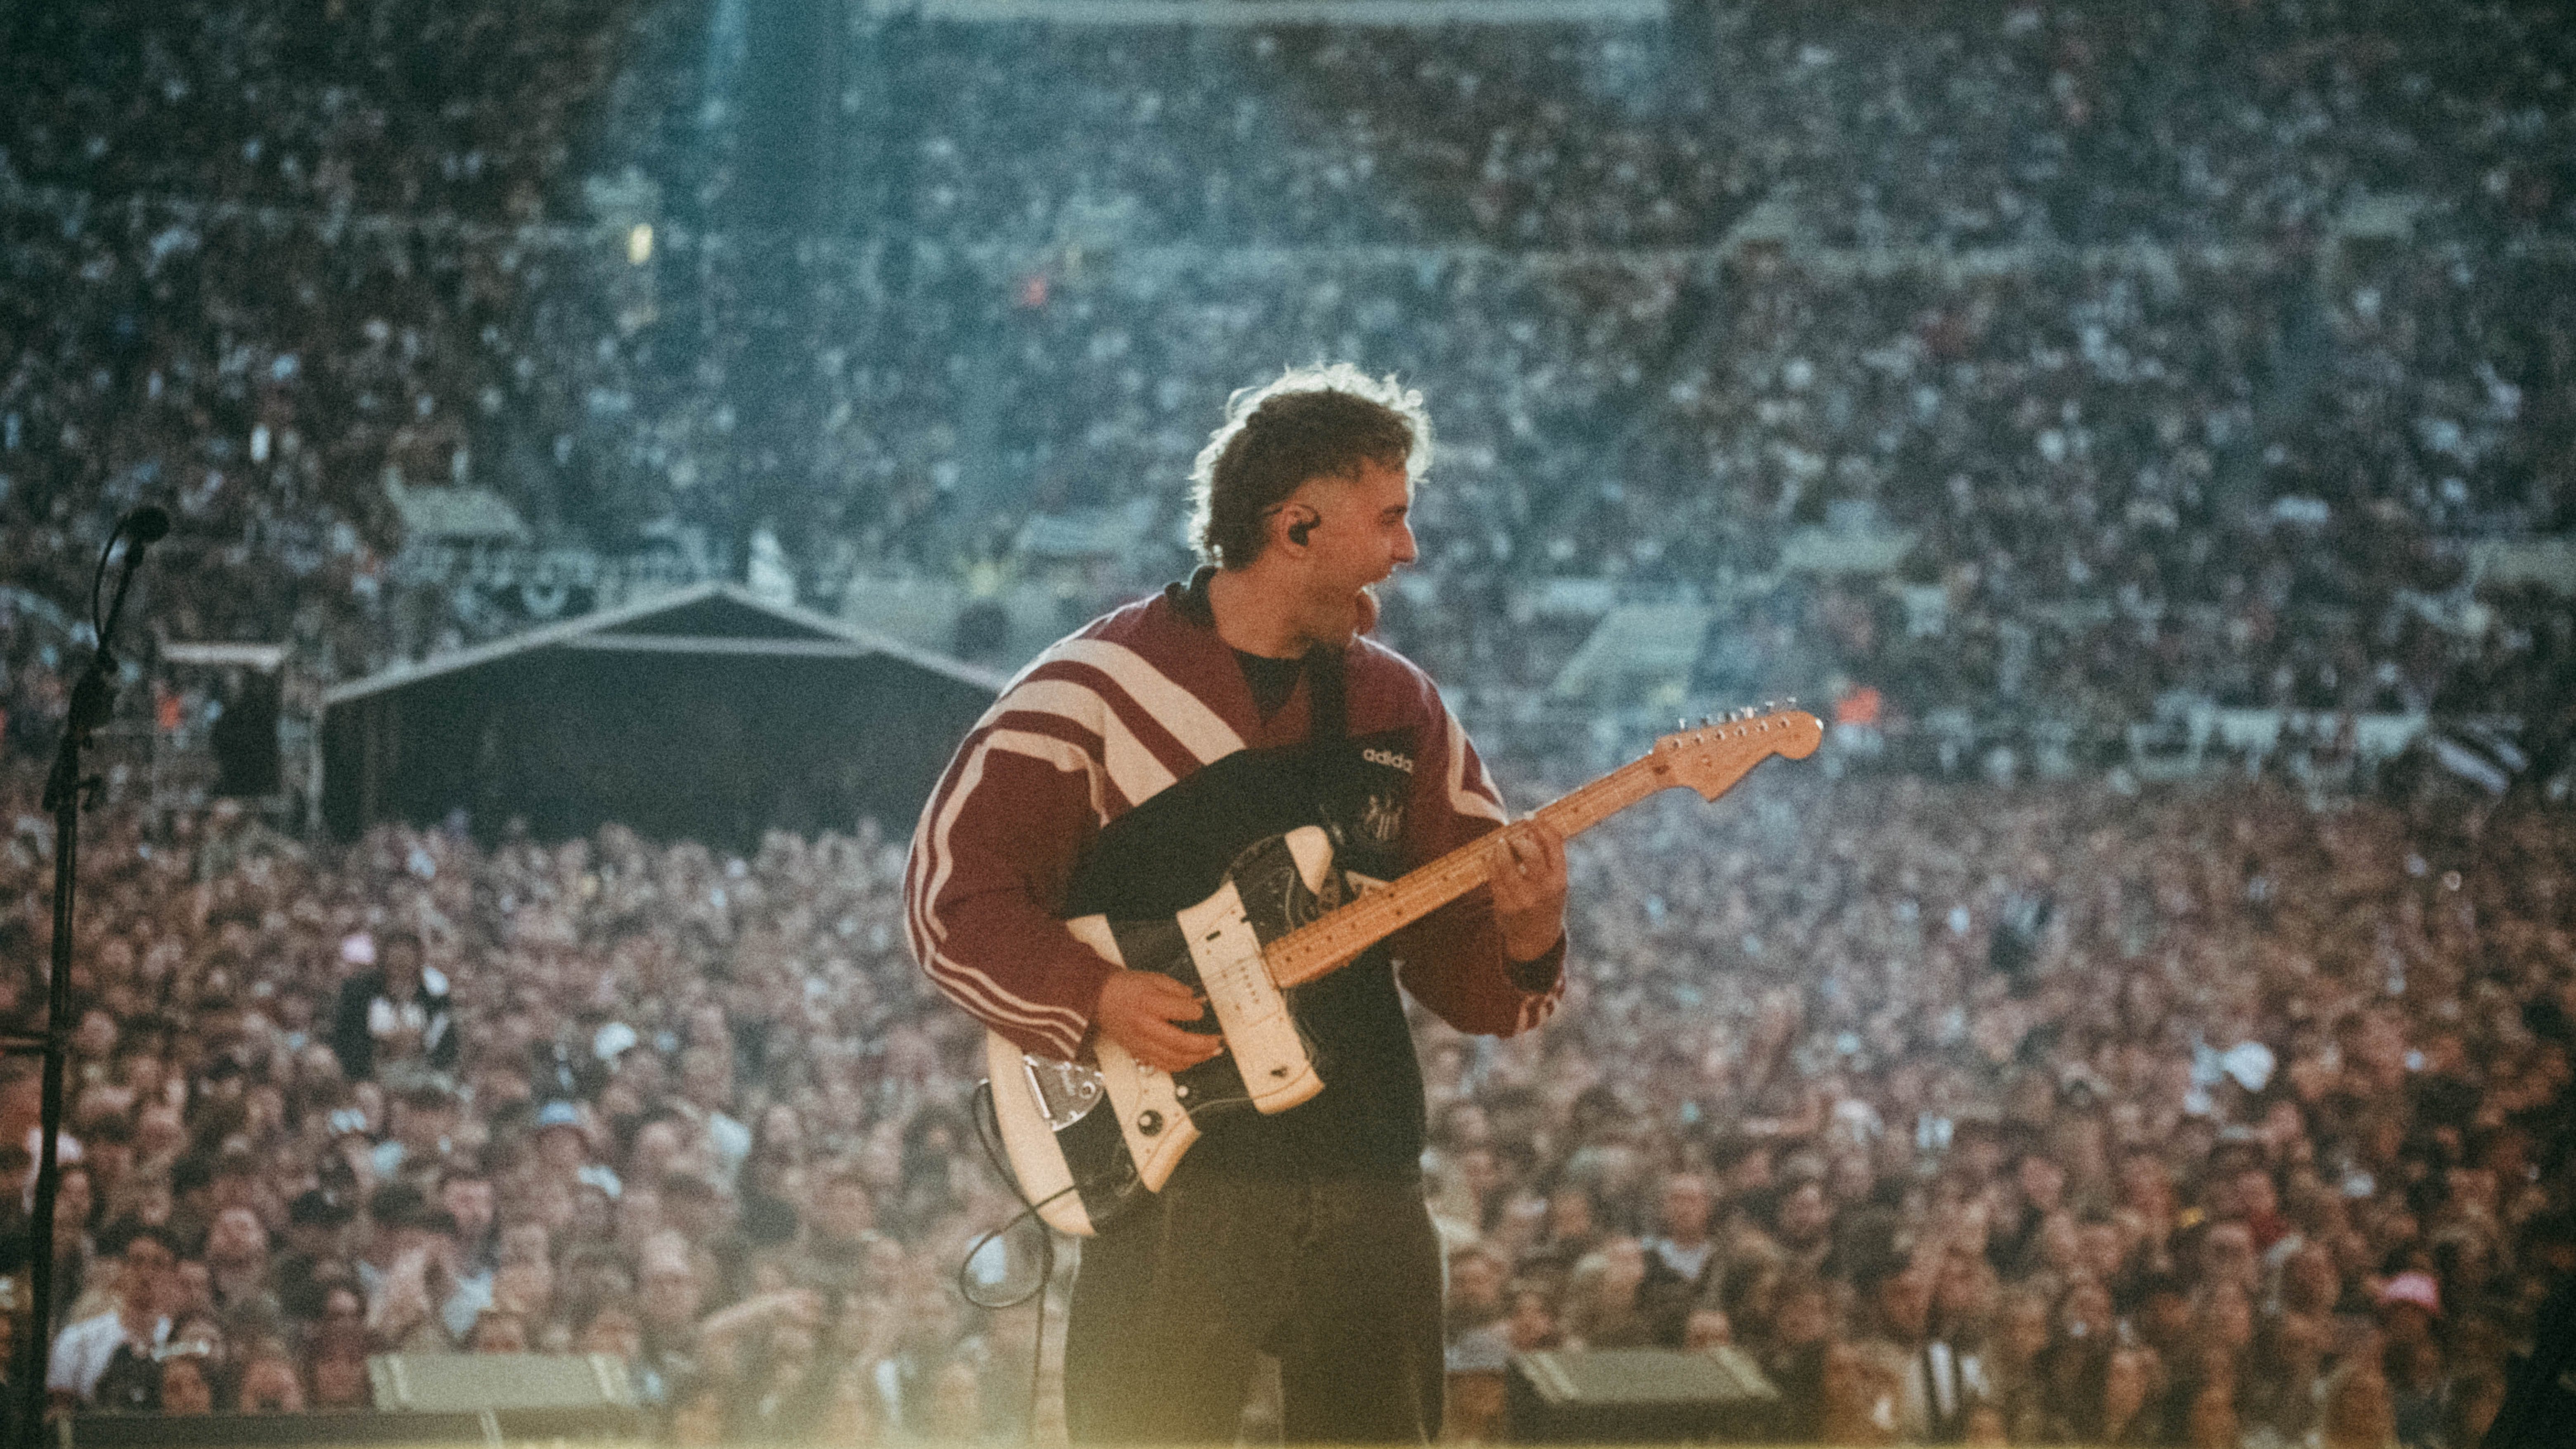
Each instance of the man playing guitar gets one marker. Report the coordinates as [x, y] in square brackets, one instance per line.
[1122, 772]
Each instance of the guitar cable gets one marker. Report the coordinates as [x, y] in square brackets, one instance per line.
[988, 1129]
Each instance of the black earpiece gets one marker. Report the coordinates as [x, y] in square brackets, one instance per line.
[1297, 531]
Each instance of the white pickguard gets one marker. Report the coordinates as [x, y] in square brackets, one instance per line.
[1259, 1030]
[1268, 1052]
[1153, 1109]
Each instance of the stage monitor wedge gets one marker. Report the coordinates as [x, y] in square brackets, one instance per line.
[1638, 1396]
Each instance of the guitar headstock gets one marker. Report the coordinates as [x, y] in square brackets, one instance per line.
[1713, 757]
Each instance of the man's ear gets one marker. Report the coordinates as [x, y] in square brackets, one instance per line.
[1301, 523]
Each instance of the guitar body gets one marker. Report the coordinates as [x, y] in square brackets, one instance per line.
[1083, 1140]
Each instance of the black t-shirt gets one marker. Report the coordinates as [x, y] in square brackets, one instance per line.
[1272, 680]
[131, 1383]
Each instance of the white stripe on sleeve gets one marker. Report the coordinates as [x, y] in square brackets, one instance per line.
[929, 934]
[1132, 767]
[1196, 726]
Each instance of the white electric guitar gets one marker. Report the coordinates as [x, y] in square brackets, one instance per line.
[1083, 1139]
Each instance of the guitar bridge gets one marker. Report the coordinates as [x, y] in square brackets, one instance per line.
[1065, 1092]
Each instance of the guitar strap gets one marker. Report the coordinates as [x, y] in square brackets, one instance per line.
[1329, 717]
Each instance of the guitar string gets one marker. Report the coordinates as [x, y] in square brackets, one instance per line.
[1320, 946]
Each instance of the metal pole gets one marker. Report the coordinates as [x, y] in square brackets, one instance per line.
[36, 1351]
[93, 700]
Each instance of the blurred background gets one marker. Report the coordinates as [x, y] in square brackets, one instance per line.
[616, 446]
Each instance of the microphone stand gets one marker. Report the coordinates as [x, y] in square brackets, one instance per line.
[67, 793]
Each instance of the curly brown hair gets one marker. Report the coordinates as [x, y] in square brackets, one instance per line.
[1312, 422]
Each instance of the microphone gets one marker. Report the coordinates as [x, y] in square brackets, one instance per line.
[140, 529]
[147, 524]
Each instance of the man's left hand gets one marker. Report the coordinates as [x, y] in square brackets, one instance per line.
[1528, 870]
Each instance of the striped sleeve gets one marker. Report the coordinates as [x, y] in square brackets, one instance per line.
[1080, 738]
[1453, 960]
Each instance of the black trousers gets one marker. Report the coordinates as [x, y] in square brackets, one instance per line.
[1340, 1278]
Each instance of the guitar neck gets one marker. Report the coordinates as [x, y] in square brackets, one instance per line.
[1334, 940]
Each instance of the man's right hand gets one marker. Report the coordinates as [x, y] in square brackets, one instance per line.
[1140, 1010]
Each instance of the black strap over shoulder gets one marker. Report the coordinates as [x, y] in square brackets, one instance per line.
[1330, 720]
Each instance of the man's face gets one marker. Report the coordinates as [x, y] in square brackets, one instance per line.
[2255, 1194]
[2143, 1183]
[2042, 1181]
[1804, 1317]
[72, 1199]
[1478, 1171]
[1962, 1293]
[2167, 1316]
[469, 1201]
[2229, 1255]
[1361, 535]
[613, 1331]
[655, 1146]
[192, 1288]
[1476, 1279]
[703, 1079]
[1906, 1300]
[146, 1283]
[2105, 1248]
[159, 1131]
[1685, 1209]
[237, 1238]
[1805, 1215]
[1531, 1318]
[670, 1297]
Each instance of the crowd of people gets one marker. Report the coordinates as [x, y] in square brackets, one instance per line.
[2230, 453]
[2043, 1115]
[1953, 125]
[1956, 124]
[602, 1096]
[2197, 1115]
[2120, 483]
[2037, 1117]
